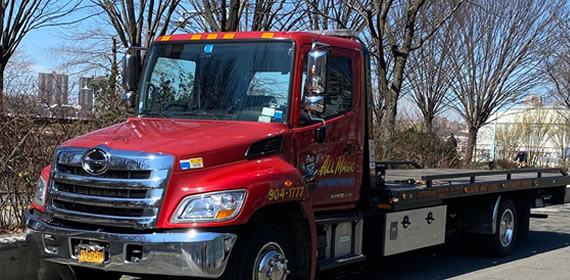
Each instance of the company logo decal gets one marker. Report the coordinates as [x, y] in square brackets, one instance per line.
[336, 182]
[95, 161]
[309, 167]
[330, 172]
[337, 166]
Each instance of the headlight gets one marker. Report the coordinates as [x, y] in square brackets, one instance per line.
[210, 207]
[41, 193]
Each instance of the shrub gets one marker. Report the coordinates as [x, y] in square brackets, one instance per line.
[428, 149]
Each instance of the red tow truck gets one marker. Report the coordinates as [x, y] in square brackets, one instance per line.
[251, 157]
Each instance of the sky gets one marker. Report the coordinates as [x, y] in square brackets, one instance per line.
[37, 45]
[40, 46]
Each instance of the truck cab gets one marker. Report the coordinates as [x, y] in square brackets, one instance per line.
[229, 150]
[250, 157]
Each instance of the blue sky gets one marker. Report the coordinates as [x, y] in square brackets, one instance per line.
[37, 45]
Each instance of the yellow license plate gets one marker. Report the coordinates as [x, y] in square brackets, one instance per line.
[91, 256]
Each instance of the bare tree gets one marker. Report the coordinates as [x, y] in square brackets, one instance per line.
[242, 15]
[495, 58]
[558, 64]
[331, 14]
[391, 28]
[18, 18]
[536, 127]
[138, 24]
[87, 51]
[561, 139]
[430, 77]
[19, 78]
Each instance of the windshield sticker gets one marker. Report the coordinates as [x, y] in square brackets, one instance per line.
[192, 163]
[278, 114]
[208, 49]
[268, 111]
[264, 119]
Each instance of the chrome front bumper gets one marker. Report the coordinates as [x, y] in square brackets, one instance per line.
[192, 253]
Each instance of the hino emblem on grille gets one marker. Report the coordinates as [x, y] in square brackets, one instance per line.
[95, 161]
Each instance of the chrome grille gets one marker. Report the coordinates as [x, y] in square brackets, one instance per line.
[128, 194]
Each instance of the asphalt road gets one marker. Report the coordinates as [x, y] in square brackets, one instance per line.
[545, 255]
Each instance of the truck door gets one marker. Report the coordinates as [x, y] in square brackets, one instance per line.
[332, 169]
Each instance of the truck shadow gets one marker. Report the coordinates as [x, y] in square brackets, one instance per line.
[445, 261]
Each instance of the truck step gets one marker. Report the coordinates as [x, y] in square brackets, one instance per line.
[340, 261]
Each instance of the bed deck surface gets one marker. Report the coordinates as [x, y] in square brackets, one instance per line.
[400, 178]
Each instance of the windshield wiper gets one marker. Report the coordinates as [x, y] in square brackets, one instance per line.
[194, 113]
[155, 114]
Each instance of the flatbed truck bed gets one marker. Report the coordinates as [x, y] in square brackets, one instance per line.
[412, 188]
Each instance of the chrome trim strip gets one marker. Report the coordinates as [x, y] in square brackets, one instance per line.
[193, 253]
[136, 203]
[119, 159]
[142, 222]
[109, 183]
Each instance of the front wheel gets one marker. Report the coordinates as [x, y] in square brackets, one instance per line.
[502, 242]
[266, 254]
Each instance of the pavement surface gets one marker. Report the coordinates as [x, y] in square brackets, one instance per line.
[545, 255]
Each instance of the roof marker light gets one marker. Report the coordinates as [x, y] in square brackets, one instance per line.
[229, 35]
[212, 36]
[267, 35]
[165, 38]
[196, 37]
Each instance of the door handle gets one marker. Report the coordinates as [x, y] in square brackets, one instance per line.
[349, 149]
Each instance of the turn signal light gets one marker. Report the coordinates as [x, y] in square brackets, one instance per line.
[222, 214]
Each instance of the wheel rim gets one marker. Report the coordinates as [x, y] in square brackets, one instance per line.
[506, 227]
[270, 263]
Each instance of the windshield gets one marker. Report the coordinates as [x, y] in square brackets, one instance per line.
[245, 81]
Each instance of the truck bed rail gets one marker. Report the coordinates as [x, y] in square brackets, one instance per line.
[508, 174]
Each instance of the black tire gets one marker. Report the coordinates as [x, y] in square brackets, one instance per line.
[501, 243]
[250, 248]
[68, 272]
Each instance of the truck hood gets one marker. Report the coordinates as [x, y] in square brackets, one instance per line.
[217, 142]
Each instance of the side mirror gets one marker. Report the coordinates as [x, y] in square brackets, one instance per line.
[316, 81]
[130, 73]
[315, 103]
[315, 86]
[129, 99]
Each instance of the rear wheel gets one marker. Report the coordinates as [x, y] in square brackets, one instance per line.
[68, 272]
[502, 242]
[266, 254]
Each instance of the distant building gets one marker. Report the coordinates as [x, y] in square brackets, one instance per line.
[542, 131]
[85, 95]
[53, 88]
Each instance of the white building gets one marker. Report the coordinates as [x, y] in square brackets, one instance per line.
[542, 131]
